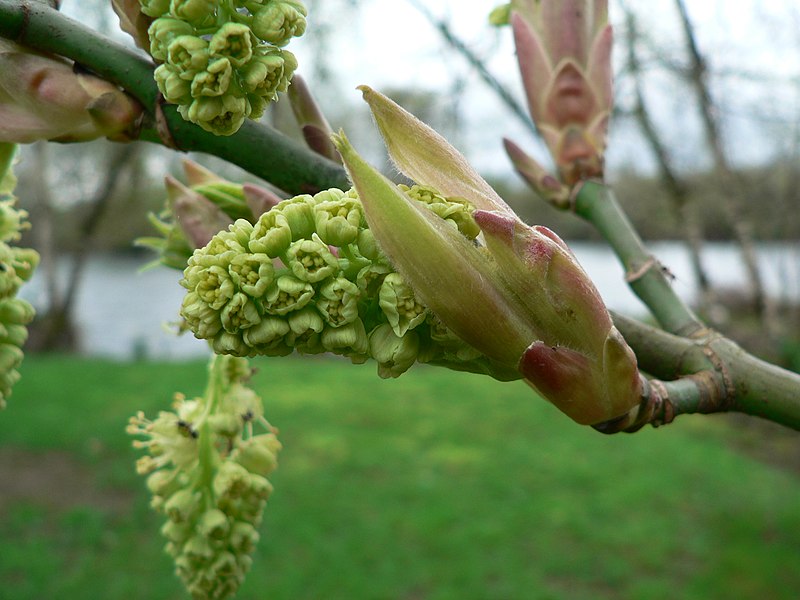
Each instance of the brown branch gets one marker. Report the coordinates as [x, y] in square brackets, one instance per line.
[729, 180]
[677, 189]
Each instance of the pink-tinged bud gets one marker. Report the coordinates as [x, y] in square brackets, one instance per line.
[42, 98]
[197, 174]
[555, 292]
[564, 55]
[316, 130]
[198, 217]
[522, 300]
[541, 180]
[259, 199]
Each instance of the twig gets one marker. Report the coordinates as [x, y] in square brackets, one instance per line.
[480, 66]
[257, 148]
[647, 278]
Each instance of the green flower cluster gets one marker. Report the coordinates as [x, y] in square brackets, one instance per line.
[16, 267]
[223, 60]
[206, 468]
[309, 276]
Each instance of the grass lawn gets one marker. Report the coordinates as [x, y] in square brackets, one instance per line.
[437, 485]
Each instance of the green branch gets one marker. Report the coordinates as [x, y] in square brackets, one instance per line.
[257, 148]
[647, 278]
[707, 374]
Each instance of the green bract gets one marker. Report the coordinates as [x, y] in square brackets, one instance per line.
[309, 276]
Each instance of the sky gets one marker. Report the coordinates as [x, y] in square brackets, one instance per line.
[391, 45]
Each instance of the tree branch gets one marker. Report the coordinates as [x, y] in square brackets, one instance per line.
[730, 182]
[256, 148]
[647, 278]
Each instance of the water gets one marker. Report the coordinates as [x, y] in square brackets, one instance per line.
[124, 312]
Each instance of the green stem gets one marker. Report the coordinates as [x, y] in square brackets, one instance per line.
[256, 148]
[659, 353]
[597, 204]
[206, 453]
[710, 374]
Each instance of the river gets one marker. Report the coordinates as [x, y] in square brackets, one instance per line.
[123, 311]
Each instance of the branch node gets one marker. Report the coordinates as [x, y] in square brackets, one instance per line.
[634, 275]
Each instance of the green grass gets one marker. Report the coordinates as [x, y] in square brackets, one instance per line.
[434, 486]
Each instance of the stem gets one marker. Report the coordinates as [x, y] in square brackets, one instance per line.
[258, 148]
[659, 353]
[713, 375]
[597, 204]
[759, 388]
[206, 453]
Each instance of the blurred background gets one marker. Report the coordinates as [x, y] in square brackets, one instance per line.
[438, 485]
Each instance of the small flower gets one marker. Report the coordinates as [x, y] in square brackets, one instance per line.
[305, 327]
[188, 54]
[287, 294]
[395, 354]
[348, 339]
[278, 21]
[239, 313]
[311, 260]
[338, 301]
[271, 233]
[267, 334]
[221, 115]
[214, 81]
[162, 32]
[299, 215]
[154, 8]
[338, 220]
[233, 41]
[398, 303]
[269, 72]
[252, 273]
[196, 12]
[172, 86]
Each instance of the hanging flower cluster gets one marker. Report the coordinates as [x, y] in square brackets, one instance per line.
[223, 60]
[16, 267]
[309, 276]
[206, 467]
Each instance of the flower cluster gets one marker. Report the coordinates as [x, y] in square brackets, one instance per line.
[206, 468]
[16, 267]
[223, 60]
[309, 276]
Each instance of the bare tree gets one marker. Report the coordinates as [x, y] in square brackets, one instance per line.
[730, 180]
[677, 188]
[55, 328]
